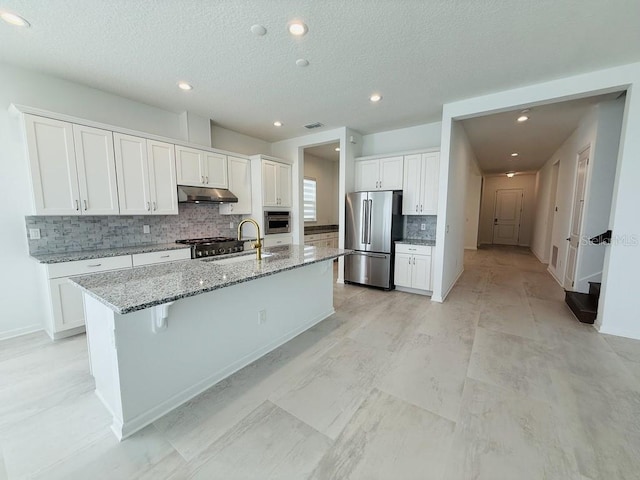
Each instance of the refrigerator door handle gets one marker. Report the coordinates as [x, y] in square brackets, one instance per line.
[369, 222]
[368, 254]
[364, 221]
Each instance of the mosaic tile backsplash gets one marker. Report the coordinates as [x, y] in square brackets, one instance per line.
[70, 234]
[412, 227]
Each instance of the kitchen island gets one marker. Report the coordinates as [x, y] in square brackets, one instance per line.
[161, 334]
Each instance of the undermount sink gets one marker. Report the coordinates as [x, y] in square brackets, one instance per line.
[237, 259]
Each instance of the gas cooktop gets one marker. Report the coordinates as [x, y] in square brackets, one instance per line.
[210, 246]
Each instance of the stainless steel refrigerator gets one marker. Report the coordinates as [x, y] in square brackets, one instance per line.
[373, 223]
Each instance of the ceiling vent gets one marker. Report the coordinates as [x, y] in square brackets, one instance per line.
[311, 126]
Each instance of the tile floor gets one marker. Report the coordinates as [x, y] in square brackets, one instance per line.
[499, 382]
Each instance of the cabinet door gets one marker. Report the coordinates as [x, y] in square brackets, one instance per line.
[52, 163]
[430, 181]
[402, 270]
[215, 170]
[391, 173]
[67, 304]
[412, 185]
[284, 185]
[240, 185]
[162, 178]
[269, 184]
[96, 165]
[367, 175]
[421, 272]
[133, 174]
[190, 166]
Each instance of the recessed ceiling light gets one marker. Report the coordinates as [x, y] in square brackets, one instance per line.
[337, 149]
[375, 97]
[515, 154]
[184, 86]
[301, 62]
[277, 124]
[522, 118]
[258, 30]
[510, 174]
[297, 28]
[14, 19]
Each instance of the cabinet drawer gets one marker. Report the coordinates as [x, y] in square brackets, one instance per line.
[413, 249]
[161, 257]
[271, 241]
[83, 267]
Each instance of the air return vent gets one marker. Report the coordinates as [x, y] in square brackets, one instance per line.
[311, 126]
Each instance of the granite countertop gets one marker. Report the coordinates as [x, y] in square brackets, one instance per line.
[314, 229]
[416, 241]
[107, 252]
[129, 290]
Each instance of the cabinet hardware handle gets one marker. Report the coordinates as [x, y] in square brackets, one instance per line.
[165, 256]
[416, 208]
[206, 179]
[414, 260]
[421, 208]
[85, 204]
[409, 260]
[201, 178]
[148, 206]
[155, 206]
[94, 265]
[77, 205]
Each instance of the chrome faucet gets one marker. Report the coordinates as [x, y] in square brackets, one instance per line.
[257, 245]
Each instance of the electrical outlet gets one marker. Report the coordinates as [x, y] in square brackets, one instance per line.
[423, 226]
[145, 229]
[231, 225]
[34, 233]
[262, 317]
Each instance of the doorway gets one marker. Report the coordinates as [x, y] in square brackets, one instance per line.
[576, 218]
[506, 218]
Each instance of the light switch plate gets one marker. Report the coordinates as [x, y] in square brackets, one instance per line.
[145, 229]
[231, 225]
[423, 226]
[34, 233]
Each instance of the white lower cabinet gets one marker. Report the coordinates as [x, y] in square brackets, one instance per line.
[277, 240]
[67, 306]
[413, 268]
[322, 239]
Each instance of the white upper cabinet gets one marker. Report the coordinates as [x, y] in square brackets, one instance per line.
[379, 174]
[200, 168]
[240, 185]
[146, 176]
[72, 168]
[420, 186]
[276, 184]
[162, 178]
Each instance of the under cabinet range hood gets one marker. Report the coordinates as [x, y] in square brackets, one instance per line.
[188, 194]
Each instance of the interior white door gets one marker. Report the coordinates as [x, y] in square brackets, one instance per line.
[506, 219]
[576, 219]
[133, 174]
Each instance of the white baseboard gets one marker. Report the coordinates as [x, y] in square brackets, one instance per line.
[471, 248]
[129, 427]
[446, 294]
[17, 332]
[414, 291]
[554, 276]
[619, 332]
[540, 259]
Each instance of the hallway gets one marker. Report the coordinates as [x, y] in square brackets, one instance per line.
[499, 382]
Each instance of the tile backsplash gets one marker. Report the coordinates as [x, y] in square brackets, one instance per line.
[61, 234]
[412, 227]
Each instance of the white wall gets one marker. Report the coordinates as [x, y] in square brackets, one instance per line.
[617, 310]
[293, 149]
[225, 139]
[492, 183]
[195, 128]
[403, 139]
[473, 194]
[544, 208]
[325, 172]
[450, 237]
[22, 299]
[599, 194]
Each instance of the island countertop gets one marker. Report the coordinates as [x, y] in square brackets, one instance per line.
[129, 290]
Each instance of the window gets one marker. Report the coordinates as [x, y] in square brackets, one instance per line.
[309, 199]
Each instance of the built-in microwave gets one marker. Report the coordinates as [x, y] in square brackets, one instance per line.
[277, 222]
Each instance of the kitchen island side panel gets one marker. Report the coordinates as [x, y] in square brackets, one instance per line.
[209, 337]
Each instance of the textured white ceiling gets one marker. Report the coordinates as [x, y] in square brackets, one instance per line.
[494, 137]
[419, 54]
